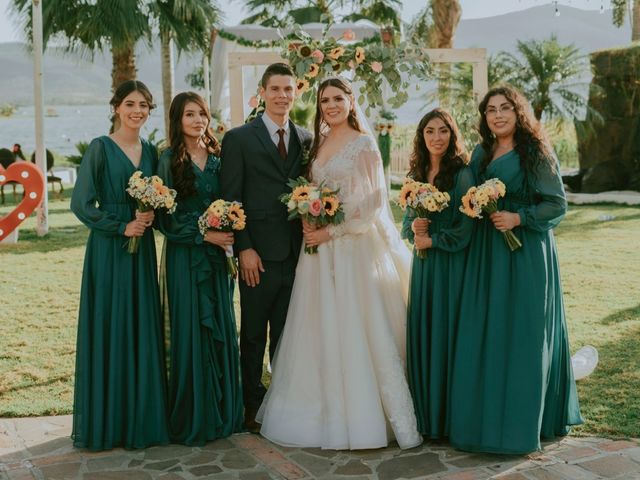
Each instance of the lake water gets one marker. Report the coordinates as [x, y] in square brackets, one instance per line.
[73, 124]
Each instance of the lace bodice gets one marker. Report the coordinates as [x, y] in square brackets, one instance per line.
[357, 171]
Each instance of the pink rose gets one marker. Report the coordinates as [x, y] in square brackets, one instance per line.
[349, 35]
[213, 221]
[315, 208]
[318, 56]
[253, 102]
[376, 67]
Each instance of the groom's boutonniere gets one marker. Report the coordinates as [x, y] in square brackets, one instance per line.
[306, 154]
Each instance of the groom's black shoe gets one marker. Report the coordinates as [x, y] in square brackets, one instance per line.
[250, 423]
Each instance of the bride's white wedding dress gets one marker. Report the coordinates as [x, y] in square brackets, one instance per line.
[338, 373]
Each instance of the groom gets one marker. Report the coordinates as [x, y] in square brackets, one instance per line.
[258, 158]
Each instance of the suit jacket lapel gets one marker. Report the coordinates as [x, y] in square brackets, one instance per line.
[270, 147]
[296, 148]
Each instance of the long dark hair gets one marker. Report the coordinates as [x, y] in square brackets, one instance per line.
[319, 124]
[530, 142]
[123, 90]
[181, 169]
[454, 158]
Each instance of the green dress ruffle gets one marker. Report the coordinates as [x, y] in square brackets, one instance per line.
[205, 398]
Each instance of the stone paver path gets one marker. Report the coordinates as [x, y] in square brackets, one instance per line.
[40, 448]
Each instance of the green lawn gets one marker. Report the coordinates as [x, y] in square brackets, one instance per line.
[40, 280]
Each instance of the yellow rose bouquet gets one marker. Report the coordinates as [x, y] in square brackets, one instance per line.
[317, 204]
[484, 198]
[424, 199]
[224, 216]
[150, 193]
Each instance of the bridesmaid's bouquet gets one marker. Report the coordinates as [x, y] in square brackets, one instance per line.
[224, 216]
[317, 204]
[424, 199]
[484, 198]
[150, 193]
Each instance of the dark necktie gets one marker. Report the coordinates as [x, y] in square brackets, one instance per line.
[282, 149]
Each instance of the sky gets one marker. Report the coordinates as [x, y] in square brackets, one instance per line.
[470, 9]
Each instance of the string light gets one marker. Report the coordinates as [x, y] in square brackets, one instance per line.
[556, 6]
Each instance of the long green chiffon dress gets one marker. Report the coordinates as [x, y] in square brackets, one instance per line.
[512, 380]
[434, 299]
[120, 384]
[205, 396]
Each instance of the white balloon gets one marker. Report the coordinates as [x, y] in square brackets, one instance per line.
[584, 362]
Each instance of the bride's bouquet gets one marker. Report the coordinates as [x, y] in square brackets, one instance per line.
[224, 216]
[484, 198]
[150, 193]
[317, 204]
[424, 199]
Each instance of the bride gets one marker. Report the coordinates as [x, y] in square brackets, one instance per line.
[338, 373]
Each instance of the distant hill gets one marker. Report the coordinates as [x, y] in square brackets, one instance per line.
[73, 79]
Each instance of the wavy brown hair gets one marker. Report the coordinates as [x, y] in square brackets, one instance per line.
[122, 92]
[319, 125]
[530, 141]
[454, 158]
[181, 169]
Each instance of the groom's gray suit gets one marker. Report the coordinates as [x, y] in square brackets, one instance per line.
[254, 173]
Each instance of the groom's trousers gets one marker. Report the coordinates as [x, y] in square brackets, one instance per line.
[262, 305]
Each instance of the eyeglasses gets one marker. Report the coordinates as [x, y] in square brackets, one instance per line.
[502, 109]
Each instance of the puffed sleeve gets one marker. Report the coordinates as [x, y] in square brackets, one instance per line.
[458, 235]
[232, 181]
[86, 194]
[550, 204]
[364, 197]
[180, 226]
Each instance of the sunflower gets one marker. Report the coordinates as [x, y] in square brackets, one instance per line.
[359, 55]
[314, 69]
[331, 205]
[302, 85]
[304, 50]
[235, 213]
[336, 53]
[406, 192]
[217, 208]
[300, 193]
[220, 129]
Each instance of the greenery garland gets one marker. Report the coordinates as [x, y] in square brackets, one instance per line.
[371, 63]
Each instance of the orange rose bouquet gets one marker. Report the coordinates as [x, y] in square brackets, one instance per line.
[224, 216]
[150, 193]
[484, 198]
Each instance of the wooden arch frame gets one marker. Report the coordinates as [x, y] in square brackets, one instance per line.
[476, 56]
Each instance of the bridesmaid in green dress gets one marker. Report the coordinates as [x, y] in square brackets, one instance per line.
[512, 380]
[120, 384]
[205, 398]
[436, 281]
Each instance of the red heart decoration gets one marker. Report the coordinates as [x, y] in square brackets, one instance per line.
[30, 177]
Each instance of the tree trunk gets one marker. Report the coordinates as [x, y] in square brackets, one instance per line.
[124, 65]
[446, 16]
[166, 45]
[635, 21]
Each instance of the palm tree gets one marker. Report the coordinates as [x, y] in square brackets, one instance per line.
[435, 27]
[549, 74]
[94, 26]
[282, 13]
[620, 10]
[187, 24]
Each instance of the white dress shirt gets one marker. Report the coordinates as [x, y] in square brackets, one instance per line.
[273, 128]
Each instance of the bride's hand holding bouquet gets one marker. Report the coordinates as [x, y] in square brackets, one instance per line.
[317, 206]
